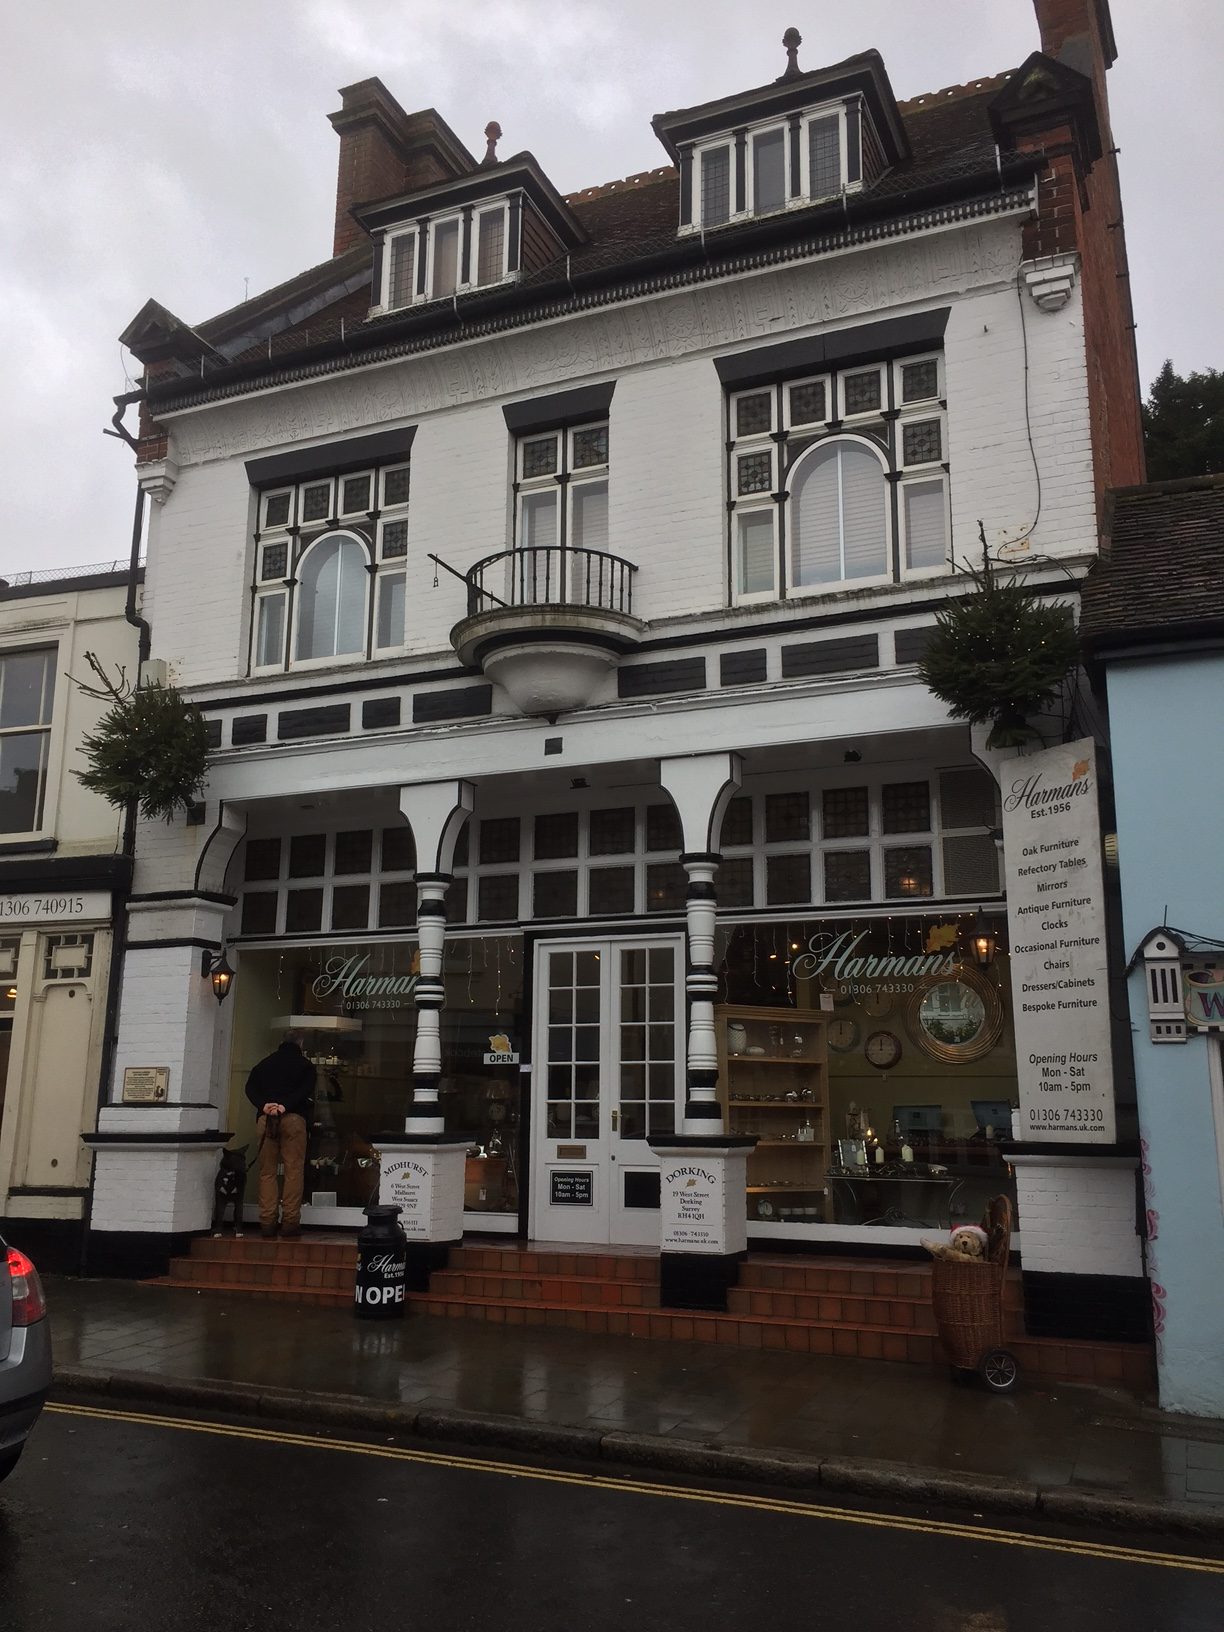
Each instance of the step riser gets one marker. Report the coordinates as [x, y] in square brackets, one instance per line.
[545, 1289]
[593, 1266]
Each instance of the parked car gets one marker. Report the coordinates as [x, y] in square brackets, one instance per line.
[25, 1353]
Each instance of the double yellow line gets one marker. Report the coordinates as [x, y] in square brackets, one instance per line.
[682, 1493]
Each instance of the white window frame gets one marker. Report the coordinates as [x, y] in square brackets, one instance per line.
[563, 479]
[335, 658]
[52, 731]
[455, 217]
[727, 139]
[916, 413]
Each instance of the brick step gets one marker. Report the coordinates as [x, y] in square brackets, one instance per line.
[283, 1272]
[315, 1297]
[600, 1266]
[854, 1278]
[502, 1285]
[832, 1308]
[254, 1249]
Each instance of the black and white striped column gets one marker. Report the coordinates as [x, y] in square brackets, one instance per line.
[425, 1114]
[702, 1112]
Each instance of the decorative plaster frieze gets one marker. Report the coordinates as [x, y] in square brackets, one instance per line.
[768, 305]
[157, 478]
[1051, 280]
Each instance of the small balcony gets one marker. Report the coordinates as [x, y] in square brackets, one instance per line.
[548, 624]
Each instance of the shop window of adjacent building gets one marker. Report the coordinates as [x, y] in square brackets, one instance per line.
[838, 479]
[324, 549]
[27, 697]
[562, 505]
[447, 256]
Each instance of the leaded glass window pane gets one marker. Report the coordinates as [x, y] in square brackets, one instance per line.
[921, 443]
[715, 186]
[737, 822]
[394, 540]
[499, 840]
[397, 904]
[663, 828]
[734, 882]
[354, 850]
[354, 494]
[316, 501]
[307, 855]
[906, 807]
[919, 380]
[787, 818]
[303, 911]
[611, 890]
[276, 509]
[787, 879]
[398, 850]
[754, 473]
[490, 259]
[907, 872]
[274, 563]
[769, 171]
[862, 391]
[666, 887]
[554, 895]
[497, 897]
[613, 832]
[445, 258]
[350, 906]
[846, 813]
[556, 836]
[395, 485]
[824, 157]
[540, 456]
[807, 403]
[754, 414]
[403, 269]
[259, 912]
[590, 446]
[847, 875]
[456, 901]
[262, 860]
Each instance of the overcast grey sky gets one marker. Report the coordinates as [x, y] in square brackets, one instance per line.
[178, 149]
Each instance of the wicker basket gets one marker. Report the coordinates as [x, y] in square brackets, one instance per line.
[967, 1297]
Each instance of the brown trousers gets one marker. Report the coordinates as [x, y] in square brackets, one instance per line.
[289, 1149]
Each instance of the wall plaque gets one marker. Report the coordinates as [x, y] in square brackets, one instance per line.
[1056, 924]
[146, 1084]
[572, 1187]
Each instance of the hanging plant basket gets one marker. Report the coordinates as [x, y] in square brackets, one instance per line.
[999, 656]
[149, 749]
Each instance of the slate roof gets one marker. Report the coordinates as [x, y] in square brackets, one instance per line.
[1161, 575]
[632, 231]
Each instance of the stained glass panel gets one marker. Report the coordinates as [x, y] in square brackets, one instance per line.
[922, 443]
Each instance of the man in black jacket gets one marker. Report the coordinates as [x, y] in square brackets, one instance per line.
[281, 1087]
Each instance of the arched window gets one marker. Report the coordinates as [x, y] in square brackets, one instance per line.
[838, 515]
[331, 611]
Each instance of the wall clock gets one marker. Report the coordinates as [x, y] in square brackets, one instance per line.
[844, 1035]
[876, 1004]
[882, 1049]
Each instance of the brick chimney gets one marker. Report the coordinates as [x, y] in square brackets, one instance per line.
[1079, 213]
[385, 151]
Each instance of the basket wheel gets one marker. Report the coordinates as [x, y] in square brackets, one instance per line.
[999, 1371]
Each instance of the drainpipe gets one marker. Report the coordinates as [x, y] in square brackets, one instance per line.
[119, 899]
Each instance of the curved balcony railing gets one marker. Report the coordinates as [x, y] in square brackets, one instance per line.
[549, 575]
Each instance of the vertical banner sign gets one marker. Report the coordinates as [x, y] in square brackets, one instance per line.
[1056, 924]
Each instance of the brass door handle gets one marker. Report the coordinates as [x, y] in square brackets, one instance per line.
[615, 1121]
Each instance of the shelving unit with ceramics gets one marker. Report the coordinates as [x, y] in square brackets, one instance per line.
[773, 1073]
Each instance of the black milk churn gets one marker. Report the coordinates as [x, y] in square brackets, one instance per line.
[382, 1266]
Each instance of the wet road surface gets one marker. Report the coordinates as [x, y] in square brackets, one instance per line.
[122, 1519]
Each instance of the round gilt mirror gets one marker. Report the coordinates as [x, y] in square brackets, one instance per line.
[955, 1018]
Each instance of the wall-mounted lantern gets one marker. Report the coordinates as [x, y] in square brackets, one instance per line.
[220, 973]
[983, 943]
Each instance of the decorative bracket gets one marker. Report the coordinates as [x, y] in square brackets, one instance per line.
[1050, 281]
[157, 479]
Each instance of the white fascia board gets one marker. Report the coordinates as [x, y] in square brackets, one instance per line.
[499, 746]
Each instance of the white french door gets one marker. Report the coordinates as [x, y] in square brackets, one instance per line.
[607, 1072]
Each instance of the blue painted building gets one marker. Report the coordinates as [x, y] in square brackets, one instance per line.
[1153, 620]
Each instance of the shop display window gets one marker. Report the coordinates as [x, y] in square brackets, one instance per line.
[875, 1063]
[353, 1007]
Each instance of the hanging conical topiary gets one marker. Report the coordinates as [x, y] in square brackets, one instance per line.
[1000, 655]
[150, 747]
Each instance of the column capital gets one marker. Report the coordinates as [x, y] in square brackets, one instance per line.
[436, 812]
[701, 787]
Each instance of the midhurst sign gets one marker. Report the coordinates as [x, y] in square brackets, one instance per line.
[1056, 924]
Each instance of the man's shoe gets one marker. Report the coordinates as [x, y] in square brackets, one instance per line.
[290, 1232]
[268, 1231]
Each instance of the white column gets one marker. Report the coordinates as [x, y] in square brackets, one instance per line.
[701, 786]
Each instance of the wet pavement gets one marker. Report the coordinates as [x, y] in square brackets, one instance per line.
[1073, 1438]
[112, 1522]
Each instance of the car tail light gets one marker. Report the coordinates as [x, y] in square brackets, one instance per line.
[29, 1301]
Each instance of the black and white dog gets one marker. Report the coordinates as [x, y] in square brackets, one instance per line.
[229, 1186]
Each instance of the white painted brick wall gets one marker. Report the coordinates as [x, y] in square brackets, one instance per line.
[667, 487]
[159, 1191]
[1077, 1218]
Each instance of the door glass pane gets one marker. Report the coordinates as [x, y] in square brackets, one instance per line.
[573, 1049]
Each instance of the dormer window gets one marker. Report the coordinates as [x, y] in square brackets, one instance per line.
[447, 255]
[764, 169]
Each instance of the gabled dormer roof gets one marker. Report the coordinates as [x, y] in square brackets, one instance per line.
[1041, 94]
[155, 335]
[863, 74]
[519, 173]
